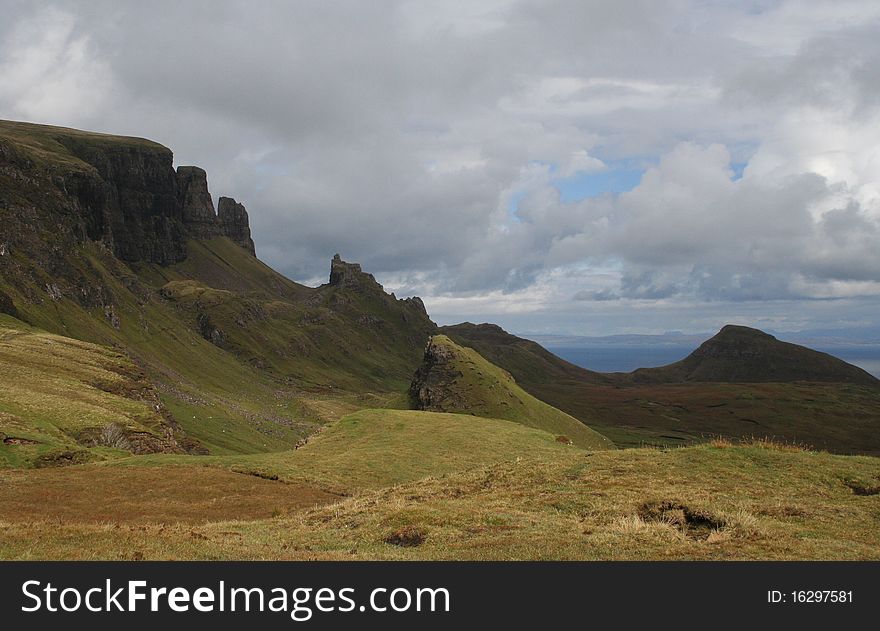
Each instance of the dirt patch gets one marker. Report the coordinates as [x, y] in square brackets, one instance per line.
[565, 440]
[61, 458]
[263, 475]
[695, 523]
[406, 537]
[12, 440]
[148, 495]
[859, 487]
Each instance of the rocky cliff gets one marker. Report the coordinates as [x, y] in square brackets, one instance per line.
[234, 224]
[351, 276]
[195, 203]
[123, 192]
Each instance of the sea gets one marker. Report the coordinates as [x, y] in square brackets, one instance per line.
[604, 358]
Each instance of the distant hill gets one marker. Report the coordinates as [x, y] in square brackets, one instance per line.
[797, 394]
[454, 378]
[528, 361]
[742, 354]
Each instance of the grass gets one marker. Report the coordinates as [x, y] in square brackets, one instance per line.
[373, 449]
[461, 380]
[57, 390]
[380, 448]
[148, 495]
[51, 145]
[743, 502]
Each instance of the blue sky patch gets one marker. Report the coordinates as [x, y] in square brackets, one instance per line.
[614, 180]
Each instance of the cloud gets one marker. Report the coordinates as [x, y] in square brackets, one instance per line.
[429, 140]
[50, 71]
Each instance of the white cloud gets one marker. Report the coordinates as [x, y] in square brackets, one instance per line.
[50, 72]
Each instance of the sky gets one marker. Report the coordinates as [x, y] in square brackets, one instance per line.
[572, 167]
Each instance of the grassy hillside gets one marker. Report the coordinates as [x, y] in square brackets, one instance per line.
[222, 402]
[354, 337]
[716, 501]
[377, 448]
[455, 378]
[66, 401]
[839, 417]
[244, 359]
[241, 372]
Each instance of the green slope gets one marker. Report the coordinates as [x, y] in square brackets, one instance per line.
[66, 401]
[377, 448]
[455, 378]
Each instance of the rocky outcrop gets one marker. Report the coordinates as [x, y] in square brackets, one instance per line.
[196, 205]
[197, 210]
[433, 385]
[234, 223]
[351, 276]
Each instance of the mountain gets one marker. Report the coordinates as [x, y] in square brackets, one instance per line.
[742, 354]
[797, 394]
[103, 241]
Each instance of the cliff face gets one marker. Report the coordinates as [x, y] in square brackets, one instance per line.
[234, 223]
[196, 205]
[351, 276]
[123, 192]
[128, 200]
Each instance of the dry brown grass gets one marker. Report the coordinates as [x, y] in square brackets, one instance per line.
[743, 503]
[175, 494]
[761, 442]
